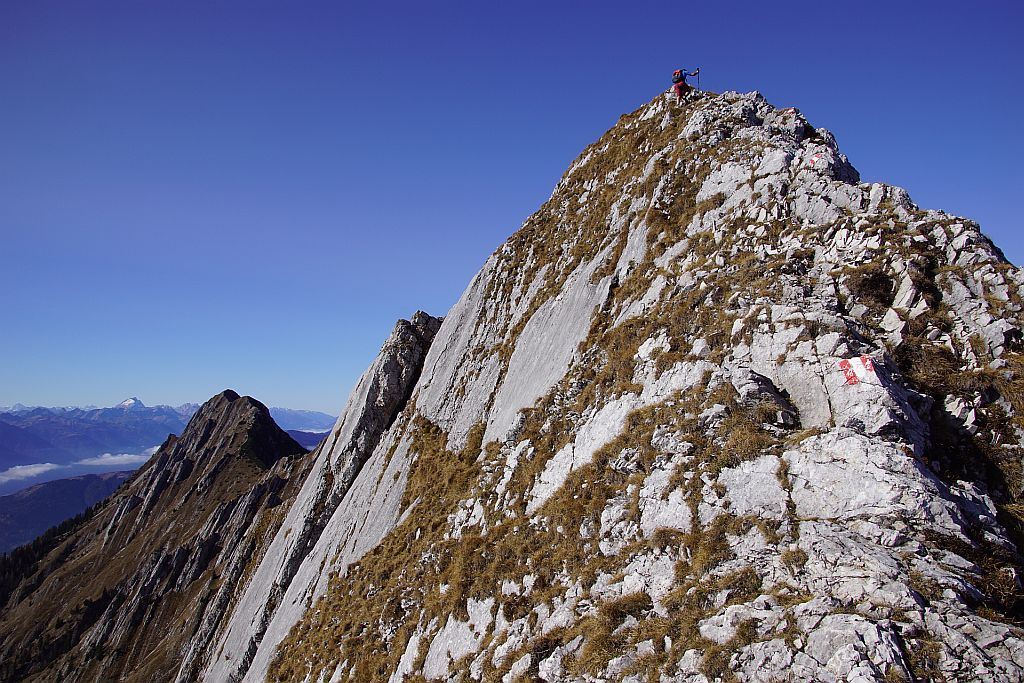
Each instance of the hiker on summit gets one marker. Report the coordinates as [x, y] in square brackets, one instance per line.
[679, 80]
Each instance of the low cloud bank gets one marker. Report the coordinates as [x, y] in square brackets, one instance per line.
[118, 459]
[19, 472]
[108, 460]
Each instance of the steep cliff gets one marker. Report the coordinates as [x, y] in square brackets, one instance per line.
[318, 528]
[717, 410]
[118, 597]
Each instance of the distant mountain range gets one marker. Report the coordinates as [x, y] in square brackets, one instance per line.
[46, 443]
[70, 433]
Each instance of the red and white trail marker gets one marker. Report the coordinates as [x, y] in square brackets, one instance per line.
[847, 368]
[856, 371]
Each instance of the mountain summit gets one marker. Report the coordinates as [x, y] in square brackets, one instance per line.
[131, 403]
[126, 584]
[716, 411]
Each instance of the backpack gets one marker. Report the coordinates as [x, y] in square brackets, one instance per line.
[678, 77]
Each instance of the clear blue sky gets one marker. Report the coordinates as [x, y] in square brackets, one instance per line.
[200, 195]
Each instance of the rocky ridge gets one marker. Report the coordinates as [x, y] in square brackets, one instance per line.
[717, 411]
[119, 595]
[318, 532]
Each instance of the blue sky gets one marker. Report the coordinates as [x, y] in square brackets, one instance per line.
[201, 195]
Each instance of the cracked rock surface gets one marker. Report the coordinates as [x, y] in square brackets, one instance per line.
[717, 411]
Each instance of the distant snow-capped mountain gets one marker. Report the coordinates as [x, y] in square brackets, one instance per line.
[132, 403]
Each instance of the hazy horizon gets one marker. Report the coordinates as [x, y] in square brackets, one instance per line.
[148, 404]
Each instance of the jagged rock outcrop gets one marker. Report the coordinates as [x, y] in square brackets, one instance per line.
[295, 565]
[120, 595]
[717, 410]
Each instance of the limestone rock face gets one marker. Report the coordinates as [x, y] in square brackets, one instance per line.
[292, 570]
[718, 410]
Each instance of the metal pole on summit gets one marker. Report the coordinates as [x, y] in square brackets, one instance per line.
[697, 72]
